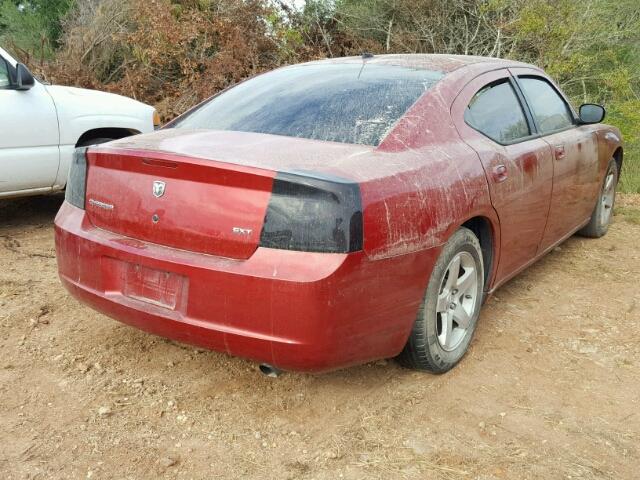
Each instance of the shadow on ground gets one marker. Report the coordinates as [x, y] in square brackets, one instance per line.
[30, 211]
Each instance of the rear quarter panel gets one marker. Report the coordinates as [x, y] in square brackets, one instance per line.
[427, 181]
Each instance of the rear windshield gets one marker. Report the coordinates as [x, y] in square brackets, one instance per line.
[347, 103]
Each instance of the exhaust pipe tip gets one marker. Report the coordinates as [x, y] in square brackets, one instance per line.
[270, 371]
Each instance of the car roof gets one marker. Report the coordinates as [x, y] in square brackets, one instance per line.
[438, 62]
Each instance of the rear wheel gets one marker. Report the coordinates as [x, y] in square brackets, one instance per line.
[603, 211]
[449, 312]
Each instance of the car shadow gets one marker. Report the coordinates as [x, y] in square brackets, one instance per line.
[30, 211]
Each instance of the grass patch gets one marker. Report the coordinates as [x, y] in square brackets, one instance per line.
[628, 214]
[630, 177]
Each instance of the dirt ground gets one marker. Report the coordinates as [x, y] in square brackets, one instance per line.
[550, 388]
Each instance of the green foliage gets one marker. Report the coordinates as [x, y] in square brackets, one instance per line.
[32, 27]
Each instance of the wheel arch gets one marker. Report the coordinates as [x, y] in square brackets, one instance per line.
[618, 155]
[488, 236]
[110, 132]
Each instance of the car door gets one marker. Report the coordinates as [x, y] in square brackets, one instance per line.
[491, 118]
[576, 177]
[29, 152]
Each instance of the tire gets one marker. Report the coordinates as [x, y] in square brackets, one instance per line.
[431, 346]
[93, 141]
[603, 211]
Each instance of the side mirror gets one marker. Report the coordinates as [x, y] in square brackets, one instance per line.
[591, 113]
[24, 78]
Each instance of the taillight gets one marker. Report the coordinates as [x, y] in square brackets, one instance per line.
[313, 214]
[77, 180]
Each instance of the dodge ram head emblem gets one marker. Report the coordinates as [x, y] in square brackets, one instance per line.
[158, 188]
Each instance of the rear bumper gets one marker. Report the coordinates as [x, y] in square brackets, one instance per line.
[294, 310]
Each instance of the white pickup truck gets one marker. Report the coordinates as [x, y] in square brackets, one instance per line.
[41, 125]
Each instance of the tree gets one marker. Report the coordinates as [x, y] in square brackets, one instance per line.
[32, 27]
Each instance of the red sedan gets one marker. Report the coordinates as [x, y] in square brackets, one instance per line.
[336, 212]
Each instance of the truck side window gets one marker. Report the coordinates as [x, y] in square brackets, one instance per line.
[4, 74]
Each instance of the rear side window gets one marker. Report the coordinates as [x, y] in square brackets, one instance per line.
[548, 108]
[4, 74]
[341, 102]
[496, 112]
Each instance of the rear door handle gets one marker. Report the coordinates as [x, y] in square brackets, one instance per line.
[559, 151]
[499, 173]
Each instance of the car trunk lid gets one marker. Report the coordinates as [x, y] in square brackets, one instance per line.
[178, 201]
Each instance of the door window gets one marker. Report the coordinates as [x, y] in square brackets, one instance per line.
[548, 108]
[496, 112]
[4, 74]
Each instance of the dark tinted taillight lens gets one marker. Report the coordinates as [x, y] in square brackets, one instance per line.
[77, 181]
[313, 214]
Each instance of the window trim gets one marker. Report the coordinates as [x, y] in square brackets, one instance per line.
[10, 73]
[523, 106]
[528, 104]
[528, 112]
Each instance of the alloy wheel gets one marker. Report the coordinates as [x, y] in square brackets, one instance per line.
[457, 300]
[607, 197]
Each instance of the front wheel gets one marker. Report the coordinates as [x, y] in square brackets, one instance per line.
[603, 211]
[449, 313]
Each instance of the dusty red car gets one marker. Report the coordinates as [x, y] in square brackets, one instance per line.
[336, 212]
